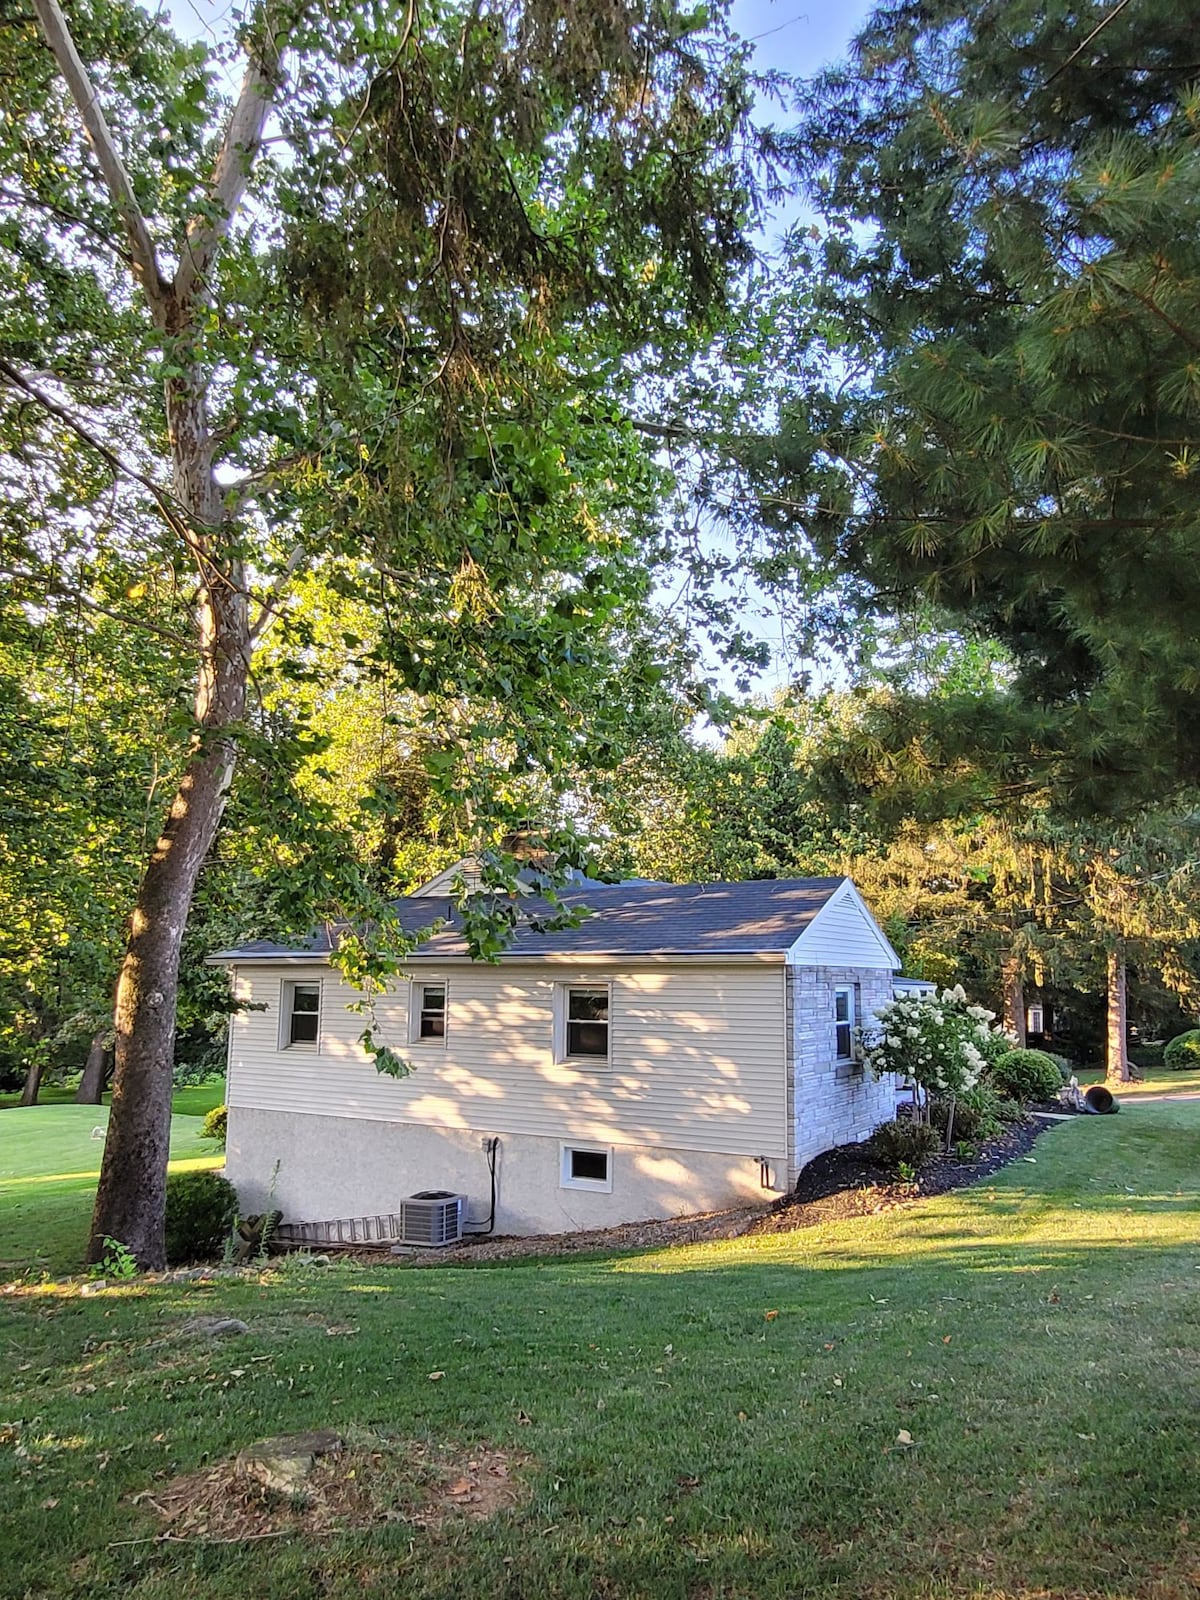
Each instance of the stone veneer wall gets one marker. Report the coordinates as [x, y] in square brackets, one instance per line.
[833, 1104]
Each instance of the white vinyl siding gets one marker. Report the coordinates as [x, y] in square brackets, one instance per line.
[844, 934]
[697, 1057]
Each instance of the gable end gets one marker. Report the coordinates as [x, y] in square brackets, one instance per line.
[844, 933]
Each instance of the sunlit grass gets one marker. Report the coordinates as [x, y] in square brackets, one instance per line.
[49, 1166]
[1155, 1080]
[713, 1420]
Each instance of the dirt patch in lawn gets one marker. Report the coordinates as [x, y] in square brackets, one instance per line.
[845, 1182]
[345, 1489]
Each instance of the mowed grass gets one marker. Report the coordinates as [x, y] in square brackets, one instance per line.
[1155, 1080]
[719, 1420]
[195, 1101]
[49, 1167]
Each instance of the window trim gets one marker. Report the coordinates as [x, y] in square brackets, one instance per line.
[287, 997]
[562, 1003]
[593, 1185]
[430, 1041]
[850, 990]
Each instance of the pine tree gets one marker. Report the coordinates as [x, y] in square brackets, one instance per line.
[1006, 280]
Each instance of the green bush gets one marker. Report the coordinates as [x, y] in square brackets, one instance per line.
[215, 1124]
[202, 1208]
[976, 1113]
[1183, 1052]
[1066, 1069]
[905, 1143]
[1027, 1075]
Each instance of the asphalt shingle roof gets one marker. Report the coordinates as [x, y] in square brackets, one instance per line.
[761, 917]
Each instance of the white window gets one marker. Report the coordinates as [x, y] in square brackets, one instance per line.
[1035, 1019]
[586, 1167]
[845, 1020]
[582, 1023]
[428, 1013]
[300, 1016]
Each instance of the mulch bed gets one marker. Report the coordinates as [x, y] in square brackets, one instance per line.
[848, 1182]
[845, 1182]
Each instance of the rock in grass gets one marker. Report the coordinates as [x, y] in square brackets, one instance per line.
[283, 1464]
[216, 1327]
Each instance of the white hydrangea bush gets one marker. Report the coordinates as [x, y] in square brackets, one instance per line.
[941, 1041]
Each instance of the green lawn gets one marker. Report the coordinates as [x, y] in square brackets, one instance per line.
[1156, 1080]
[49, 1165]
[719, 1420]
[193, 1102]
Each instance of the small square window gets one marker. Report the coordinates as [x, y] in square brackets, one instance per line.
[586, 1167]
[301, 1019]
[431, 1010]
[587, 1023]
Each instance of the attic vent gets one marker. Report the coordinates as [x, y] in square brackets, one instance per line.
[431, 1218]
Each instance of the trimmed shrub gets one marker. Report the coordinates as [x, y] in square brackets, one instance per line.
[1027, 1075]
[202, 1208]
[215, 1124]
[905, 1143]
[1183, 1052]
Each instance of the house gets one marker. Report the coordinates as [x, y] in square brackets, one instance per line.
[684, 1048]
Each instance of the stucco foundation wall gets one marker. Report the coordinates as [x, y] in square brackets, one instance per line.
[833, 1105]
[319, 1167]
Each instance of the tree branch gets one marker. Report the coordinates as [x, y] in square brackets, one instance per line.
[171, 513]
[68, 220]
[144, 257]
[242, 142]
[269, 604]
[48, 584]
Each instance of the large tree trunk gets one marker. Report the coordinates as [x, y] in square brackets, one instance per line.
[91, 1086]
[33, 1084]
[131, 1199]
[1116, 1051]
[1014, 997]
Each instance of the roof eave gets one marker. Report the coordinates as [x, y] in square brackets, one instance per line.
[230, 958]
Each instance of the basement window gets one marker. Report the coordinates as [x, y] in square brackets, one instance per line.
[300, 1016]
[586, 1167]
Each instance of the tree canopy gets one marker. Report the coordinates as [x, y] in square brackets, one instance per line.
[375, 323]
[991, 399]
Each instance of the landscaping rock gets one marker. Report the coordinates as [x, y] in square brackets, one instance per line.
[216, 1327]
[284, 1464]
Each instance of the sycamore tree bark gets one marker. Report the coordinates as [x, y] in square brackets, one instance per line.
[1116, 1049]
[130, 1200]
